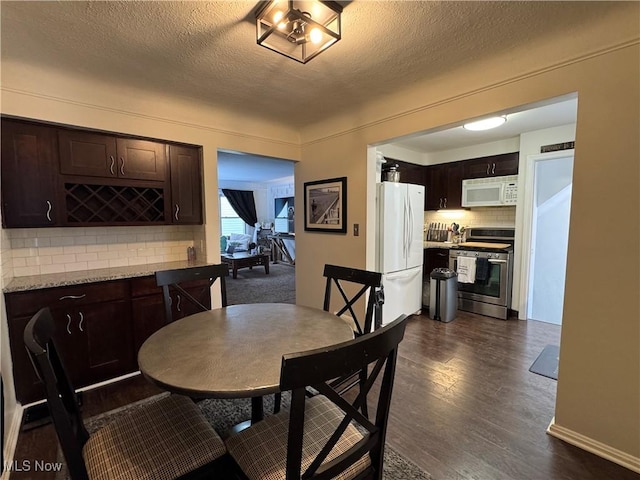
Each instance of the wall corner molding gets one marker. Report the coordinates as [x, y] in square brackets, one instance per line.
[132, 114]
[597, 448]
[12, 439]
[470, 93]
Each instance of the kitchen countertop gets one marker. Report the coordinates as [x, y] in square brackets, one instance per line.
[437, 245]
[36, 282]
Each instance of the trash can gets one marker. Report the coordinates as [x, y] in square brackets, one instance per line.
[444, 294]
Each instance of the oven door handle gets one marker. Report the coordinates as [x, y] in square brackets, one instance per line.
[497, 261]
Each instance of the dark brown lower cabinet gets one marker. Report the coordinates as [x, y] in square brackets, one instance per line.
[148, 317]
[99, 328]
[434, 258]
[94, 343]
[107, 341]
[147, 306]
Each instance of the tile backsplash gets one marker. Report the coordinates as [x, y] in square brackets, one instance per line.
[476, 217]
[5, 255]
[36, 251]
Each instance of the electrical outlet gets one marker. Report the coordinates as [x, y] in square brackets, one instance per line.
[356, 229]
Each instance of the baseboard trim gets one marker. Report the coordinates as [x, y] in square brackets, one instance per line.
[12, 439]
[597, 448]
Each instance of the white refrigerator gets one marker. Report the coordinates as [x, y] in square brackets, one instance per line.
[400, 208]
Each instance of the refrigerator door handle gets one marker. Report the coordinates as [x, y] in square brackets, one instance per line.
[406, 229]
[410, 229]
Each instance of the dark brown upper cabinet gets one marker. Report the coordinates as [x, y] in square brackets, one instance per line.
[435, 186]
[186, 185]
[29, 173]
[492, 166]
[409, 172]
[444, 186]
[96, 155]
[67, 176]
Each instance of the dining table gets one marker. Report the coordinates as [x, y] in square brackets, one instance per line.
[236, 351]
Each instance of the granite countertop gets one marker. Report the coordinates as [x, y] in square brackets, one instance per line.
[36, 282]
[437, 245]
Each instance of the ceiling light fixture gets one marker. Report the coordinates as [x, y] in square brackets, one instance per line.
[485, 124]
[298, 29]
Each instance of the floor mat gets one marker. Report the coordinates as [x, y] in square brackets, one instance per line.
[547, 362]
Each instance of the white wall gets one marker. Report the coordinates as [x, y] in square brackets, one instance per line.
[530, 144]
[549, 258]
[401, 153]
[508, 145]
[264, 195]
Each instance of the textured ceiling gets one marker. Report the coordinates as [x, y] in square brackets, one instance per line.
[207, 50]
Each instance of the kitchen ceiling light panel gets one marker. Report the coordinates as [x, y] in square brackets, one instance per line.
[485, 124]
[298, 29]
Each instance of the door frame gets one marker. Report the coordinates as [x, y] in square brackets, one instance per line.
[527, 223]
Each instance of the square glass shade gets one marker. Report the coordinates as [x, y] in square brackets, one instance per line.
[298, 29]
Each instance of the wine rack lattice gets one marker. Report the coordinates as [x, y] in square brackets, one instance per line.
[113, 204]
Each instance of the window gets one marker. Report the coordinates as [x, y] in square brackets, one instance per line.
[230, 222]
[284, 215]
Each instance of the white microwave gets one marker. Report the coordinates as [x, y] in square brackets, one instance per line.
[490, 191]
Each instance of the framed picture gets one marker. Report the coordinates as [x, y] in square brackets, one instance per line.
[325, 205]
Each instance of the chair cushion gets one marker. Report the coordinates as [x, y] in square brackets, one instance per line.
[261, 450]
[163, 440]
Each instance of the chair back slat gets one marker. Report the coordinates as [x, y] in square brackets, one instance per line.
[339, 277]
[317, 368]
[171, 280]
[61, 397]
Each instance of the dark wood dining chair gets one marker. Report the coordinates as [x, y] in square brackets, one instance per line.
[172, 280]
[358, 283]
[369, 282]
[333, 447]
[166, 439]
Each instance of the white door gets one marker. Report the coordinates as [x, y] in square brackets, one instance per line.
[549, 237]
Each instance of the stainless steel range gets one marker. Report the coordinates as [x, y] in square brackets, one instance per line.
[487, 290]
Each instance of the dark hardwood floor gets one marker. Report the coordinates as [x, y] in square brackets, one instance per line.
[464, 406]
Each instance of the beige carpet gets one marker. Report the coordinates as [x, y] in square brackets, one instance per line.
[254, 286]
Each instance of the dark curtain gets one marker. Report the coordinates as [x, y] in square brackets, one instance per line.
[243, 204]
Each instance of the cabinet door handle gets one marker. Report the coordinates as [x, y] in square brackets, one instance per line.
[488, 168]
[73, 297]
[113, 164]
[178, 305]
[68, 324]
[177, 211]
[445, 202]
[440, 202]
[49, 207]
[122, 166]
[493, 170]
[80, 323]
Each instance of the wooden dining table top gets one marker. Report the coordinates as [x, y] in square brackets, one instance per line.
[236, 351]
